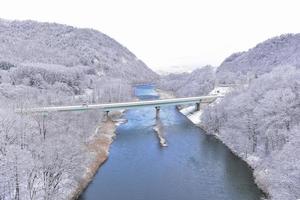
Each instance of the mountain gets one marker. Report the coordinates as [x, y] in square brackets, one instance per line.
[50, 43]
[277, 51]
[198, 82]
[52, 155]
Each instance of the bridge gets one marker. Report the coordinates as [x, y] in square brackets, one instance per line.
[127, 105]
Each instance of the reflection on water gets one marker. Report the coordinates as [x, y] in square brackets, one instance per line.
[194, 166]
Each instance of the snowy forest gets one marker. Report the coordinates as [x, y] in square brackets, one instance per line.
[44, 64]
[199, 82]
[259, 121]
[44, 156]
[261, 124]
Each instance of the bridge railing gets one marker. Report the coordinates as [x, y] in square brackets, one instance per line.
[125, 105]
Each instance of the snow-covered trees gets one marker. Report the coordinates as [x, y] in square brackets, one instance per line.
[32, 42]
[199, 82]
[262, 121]
[44, 76]
[44, 156]
[240, 67]
[283, 169]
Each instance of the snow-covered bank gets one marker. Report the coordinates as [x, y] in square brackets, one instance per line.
[97, 147]
[195, 117]
[251, 160]
[275, 173]
[261, 124]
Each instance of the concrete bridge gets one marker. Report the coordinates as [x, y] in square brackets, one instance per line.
[128, 105]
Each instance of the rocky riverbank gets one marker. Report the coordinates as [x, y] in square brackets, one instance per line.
[97, 148]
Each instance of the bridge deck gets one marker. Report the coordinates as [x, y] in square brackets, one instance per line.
[127, 105]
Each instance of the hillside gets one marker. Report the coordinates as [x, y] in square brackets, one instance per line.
[198, 82]
[49, 156]
[281, 50]
[260, 123]
[33, 42]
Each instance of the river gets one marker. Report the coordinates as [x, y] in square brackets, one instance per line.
[194, 166]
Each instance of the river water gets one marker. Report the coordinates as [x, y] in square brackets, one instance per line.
[194, 166]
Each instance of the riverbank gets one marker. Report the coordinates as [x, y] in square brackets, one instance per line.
[194, 116]
[251, 161]
[97, 147]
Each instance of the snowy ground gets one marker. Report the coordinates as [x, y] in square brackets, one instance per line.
[195, 116]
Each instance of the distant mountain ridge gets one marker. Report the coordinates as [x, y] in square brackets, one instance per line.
[51, 43]
[281, 50]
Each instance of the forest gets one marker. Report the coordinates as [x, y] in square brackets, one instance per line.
[260, 119]
[260, 123]
[44, 156]
[44, 64]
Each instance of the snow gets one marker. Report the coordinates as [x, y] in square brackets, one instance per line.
[47, 64]
[253, 160]
[187, 110]
[260, 123]
[124, 60]
[221, 90]
[263, 58]
[195, 116]
[197, 83]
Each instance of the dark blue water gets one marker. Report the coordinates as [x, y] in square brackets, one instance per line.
[193, 167]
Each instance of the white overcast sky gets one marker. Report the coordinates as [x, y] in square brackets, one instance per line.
[166, 33]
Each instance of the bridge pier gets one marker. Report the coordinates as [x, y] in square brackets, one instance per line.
[157, 108]
[198, 106]
[106, 115]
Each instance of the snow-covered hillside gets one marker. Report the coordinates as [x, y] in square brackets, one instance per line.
[260, 123]
[33, 42]
[47, 156]
[260, 120]
[281, 50]
[199, 82]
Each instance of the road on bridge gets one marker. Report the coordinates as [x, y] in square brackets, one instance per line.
[125, 105]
